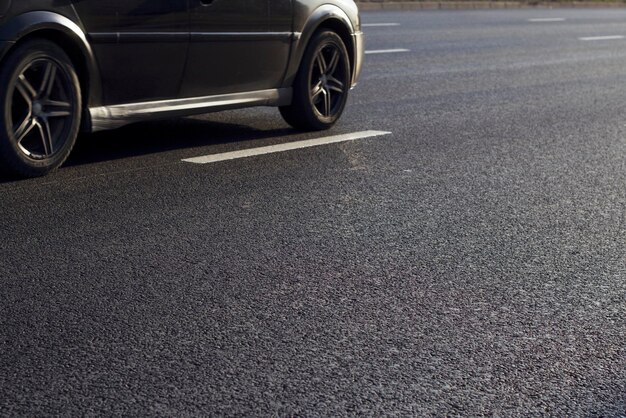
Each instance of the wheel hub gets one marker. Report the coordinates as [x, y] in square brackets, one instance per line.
[37, 108]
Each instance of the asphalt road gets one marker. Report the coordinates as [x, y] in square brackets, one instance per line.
[470, 263]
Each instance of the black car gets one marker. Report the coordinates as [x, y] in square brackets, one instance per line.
[72, 65]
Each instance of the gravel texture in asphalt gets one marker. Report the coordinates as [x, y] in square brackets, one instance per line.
[471, 263]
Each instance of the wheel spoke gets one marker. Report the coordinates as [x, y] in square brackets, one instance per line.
[57, 109]
[24, 129]
[316, 91]
[49, 78]
[326, 94]
[26, 89]
[46, 136]
[334, 61]
[335, 85]
[321, 62]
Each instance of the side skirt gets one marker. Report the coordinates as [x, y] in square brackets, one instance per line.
[111, 117]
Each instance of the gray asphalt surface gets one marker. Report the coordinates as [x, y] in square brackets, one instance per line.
[471, 263]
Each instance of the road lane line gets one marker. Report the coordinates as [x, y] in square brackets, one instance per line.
[546, 19]
[601, 38]
[213, 158]
[386, 51]
[378, 25]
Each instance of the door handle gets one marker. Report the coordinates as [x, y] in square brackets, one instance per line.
[206, 2]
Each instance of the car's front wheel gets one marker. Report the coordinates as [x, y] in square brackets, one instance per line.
[321, 87]
[41, 99]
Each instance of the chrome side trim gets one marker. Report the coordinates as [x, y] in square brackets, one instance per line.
[104, 37]
[234, 36]
[288, 34]
[134, 37]
[111, 117]
[122, 37]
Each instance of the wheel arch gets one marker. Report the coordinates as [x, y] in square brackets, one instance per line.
[69, 36]
[344, 33]
[327, 16]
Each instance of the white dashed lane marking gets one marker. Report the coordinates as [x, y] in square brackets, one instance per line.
[546, 19]
[213, 158]
[386, 51]
[601, 38]
[379, 25]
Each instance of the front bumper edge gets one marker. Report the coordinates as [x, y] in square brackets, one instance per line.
[359, 55]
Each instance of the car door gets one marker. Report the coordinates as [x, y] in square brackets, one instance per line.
[140, 46]
[237, 46]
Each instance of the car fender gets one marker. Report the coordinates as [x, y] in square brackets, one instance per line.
[25, 24]
[304, 32]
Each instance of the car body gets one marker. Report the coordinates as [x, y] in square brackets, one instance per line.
[119, 61]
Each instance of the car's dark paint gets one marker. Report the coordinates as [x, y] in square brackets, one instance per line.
[138, 43]
[4, 6]
[5, 46]
[143, 59]
[143, 42]
[231, 48]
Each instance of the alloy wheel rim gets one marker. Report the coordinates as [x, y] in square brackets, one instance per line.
[42, 109]
[328, 81]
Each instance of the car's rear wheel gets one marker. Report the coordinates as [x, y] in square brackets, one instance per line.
[321, 87]
[41, 95]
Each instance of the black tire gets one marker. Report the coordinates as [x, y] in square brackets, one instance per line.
[41, 99]
[321, 87]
